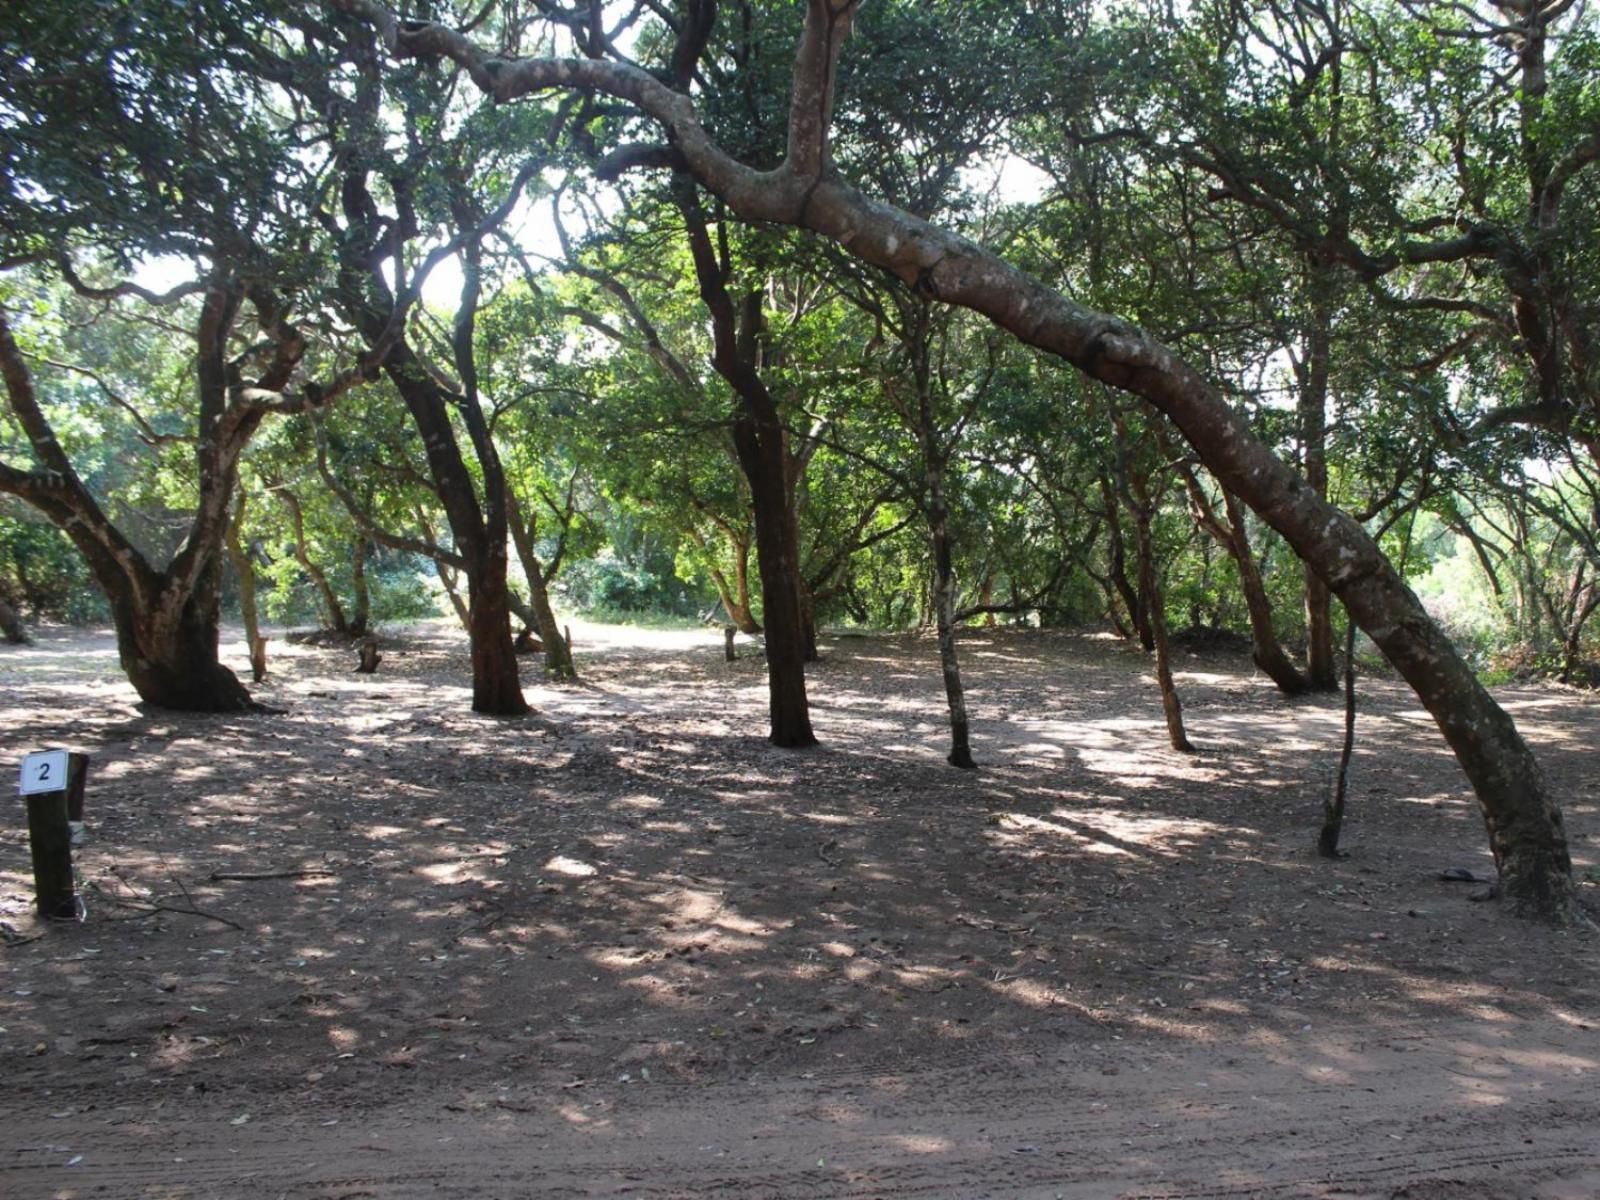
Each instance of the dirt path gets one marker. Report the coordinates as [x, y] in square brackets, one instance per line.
[623, 947]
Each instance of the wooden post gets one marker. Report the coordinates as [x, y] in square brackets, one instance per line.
[53, 785]
[727, 643]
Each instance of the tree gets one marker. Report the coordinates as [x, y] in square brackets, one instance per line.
[129, 138]
[1520, 812]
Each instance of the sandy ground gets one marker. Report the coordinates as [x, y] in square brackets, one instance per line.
[625, 947]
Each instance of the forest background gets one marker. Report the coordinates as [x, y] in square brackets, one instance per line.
[297, 326]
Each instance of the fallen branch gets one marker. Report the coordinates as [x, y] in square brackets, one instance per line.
[257, 876]
[151, 908]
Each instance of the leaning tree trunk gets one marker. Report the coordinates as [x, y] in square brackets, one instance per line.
[331, 608]
[1234, 537]
[557, 654]
[1519, 809]
[1267, 651]
[1141, 506]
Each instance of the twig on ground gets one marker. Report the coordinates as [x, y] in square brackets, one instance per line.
[257, 876]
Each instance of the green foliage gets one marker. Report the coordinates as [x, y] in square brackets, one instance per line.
[40, 568]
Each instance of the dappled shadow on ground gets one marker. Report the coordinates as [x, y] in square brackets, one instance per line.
[379, 896]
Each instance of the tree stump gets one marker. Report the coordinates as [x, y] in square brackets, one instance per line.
[727, 643]
[370, 658]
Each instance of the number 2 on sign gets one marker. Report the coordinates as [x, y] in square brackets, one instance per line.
[44, 772]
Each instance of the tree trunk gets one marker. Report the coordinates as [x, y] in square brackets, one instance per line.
[1333, 807]
[169, 649]
[11, 625]
[244, 571]
[808, 620]
[1234, 536]
[1267, 651]
[452, 589]
[557, 653]
[332, 610]
[358, 584]
[761, 457]
[1133, 598]
[496, 689]
[758, 439]
[944, 602]
[1155, 607]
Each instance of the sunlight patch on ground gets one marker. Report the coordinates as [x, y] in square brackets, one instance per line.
[573, 868]
[1112, 831]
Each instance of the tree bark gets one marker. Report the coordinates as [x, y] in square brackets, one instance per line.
[1234, 537]
[169, 649]
[759, 441]
[1133, 597]
[11, 625]
[332, 610]
[166, 619]
[358, 585]
[1134, 490]
[1522, 818]
[557, 654]
[1267, 650]
[760, 446]
[1150, 587]
[944, 601]
[479, 530]
[1333, 807]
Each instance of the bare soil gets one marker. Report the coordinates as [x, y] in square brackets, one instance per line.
[380, 947]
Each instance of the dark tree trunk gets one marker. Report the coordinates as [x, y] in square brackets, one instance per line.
[1155, 607]
[762, 459]
[166, 620]
[758, 438]
[808, 621]
[1333, 807]
[11, 625]
[496, 689]
[479, 530]
[944, 600]
[169, 649]
[1267, 650]
[1133, 598]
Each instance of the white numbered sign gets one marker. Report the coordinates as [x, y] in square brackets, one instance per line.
[44, 772]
